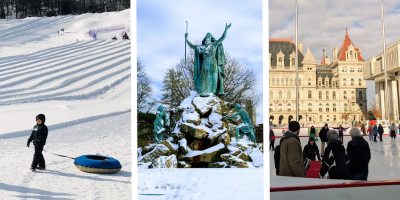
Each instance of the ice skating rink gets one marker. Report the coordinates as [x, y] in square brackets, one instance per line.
[383, 168]
[385, 157]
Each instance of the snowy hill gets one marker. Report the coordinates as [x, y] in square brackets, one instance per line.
[83, 86]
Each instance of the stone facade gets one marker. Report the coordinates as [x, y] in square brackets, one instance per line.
[332, 92]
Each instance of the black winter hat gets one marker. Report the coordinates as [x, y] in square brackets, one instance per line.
[294, 126]
[41, 117]
[311, 139]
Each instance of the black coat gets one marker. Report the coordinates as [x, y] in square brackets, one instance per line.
[311, 151]
[323, 134]
[38, 135]
[380, 130]
[335, 161]
[359, 155]
[312, 131]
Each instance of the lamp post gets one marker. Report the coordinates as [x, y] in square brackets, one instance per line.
[384, 65]
[296, 61]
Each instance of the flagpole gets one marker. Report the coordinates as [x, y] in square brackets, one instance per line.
[384, 65]
[297, 64]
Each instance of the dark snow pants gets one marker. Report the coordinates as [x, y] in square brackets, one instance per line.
[38, 159]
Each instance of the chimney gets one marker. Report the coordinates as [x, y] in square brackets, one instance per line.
[300, 47]
[335, 54]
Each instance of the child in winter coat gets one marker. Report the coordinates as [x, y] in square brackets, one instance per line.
[38, 136]
[311, 150]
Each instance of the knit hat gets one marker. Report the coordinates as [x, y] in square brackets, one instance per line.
[333, 135]
[355, 132]
[294, 126]
[311, 139]
[41, 117]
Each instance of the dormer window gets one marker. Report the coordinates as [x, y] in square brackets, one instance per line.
[280, 62]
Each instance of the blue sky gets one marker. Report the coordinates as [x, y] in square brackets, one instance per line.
[323, 23]
[161, 28]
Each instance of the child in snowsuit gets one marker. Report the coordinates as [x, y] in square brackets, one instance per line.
[38, 136]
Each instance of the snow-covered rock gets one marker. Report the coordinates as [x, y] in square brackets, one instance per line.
[208, 155]
[204, 104]
[193, 130]
[158, 150]
[166, 162]
[183, 148]
[173, 148]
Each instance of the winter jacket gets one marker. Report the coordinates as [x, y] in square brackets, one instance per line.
[335, 162]
[380, 130]
[291, 156]
[341, 130]
[38, 135]
[359, 155]
[375, 130]
[277, 156]
[310, 151]
[312, 131]
[323, 134]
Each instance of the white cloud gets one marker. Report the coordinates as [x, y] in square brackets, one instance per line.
[161, 29]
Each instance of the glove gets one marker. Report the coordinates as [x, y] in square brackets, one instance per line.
[27, 144]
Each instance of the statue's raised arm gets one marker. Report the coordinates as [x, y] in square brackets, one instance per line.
[222, 38]
[188, 42]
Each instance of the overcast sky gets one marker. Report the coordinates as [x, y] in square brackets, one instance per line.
[323, 23]
[161, 29]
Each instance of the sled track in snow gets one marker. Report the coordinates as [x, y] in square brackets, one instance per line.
[78, 71]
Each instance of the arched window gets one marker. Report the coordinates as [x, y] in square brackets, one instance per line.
[352, 94]
[280, 62]
[320, 107]
[344, 81]
[345, 107]
[280, 107]
[320, 94]
[327, 107]
[360, 96]
[334, 107]
[309, 107]
[345, 95]
[334, 95]
[352, 82]
[334, 117]
[280, 95]
[309, 81]
[289, 94]
[309, 94]
[327, 94]
[359, 82]
[289, 107]
[293, 62]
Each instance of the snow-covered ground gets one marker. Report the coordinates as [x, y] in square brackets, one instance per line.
[198, 184]
[108, 136]
[83, 87]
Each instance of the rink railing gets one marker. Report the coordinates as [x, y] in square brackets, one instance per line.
[336, 185]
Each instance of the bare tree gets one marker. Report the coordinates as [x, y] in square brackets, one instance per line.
[239, 82]
[144, 91]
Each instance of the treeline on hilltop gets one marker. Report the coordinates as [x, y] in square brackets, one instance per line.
[36, 8]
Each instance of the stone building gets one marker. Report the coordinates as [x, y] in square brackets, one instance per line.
[330, 91]
[373, 70]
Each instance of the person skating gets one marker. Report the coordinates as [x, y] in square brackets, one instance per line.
[380, 131]
[392, 130]
[291, 161]
[362, 130]
[334, 161]
[38, 137]
[323, 135]
[313, 133]
[359, 155]
[341, 130]
[311, 150]
[271, 139]
[370, 133]
[376, 132]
